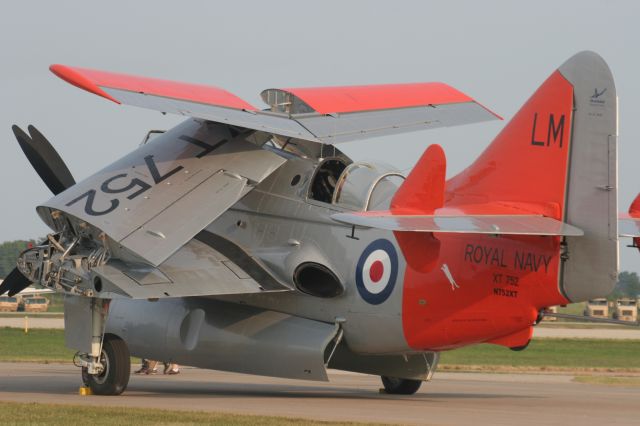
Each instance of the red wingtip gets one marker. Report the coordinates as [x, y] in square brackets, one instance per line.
[71, 76]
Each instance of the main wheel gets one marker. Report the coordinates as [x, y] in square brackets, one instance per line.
[396, 386]
[116, 361]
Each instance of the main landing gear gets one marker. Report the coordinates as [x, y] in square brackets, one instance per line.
[396, 386]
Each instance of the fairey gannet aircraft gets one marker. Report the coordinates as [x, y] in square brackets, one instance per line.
[245, 240]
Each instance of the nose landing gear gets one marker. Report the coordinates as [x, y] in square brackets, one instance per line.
[107, 366]
[115, 368]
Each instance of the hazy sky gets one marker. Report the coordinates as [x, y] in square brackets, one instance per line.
[496, 51]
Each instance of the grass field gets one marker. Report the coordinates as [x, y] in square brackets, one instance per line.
[63, 415]
[608, 380]
[48, 346]
[573, 309]
[38, 345]
[559, 353]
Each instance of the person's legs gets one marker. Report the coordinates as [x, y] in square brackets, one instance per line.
[152, 367]
[143, 368]
[173, 369]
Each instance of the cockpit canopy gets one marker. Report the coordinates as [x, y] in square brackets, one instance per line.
[357, 186]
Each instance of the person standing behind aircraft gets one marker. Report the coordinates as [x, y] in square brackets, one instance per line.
[149, 366]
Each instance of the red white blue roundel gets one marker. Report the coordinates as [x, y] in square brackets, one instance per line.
[376, 271]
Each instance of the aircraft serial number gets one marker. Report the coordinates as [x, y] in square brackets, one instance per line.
[110, 185]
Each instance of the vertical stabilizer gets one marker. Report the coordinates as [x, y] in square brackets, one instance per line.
[557, 158]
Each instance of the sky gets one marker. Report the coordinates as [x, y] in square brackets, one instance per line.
[495, 51]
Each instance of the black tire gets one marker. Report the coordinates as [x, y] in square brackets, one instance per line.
[117, 362]
[396, 386]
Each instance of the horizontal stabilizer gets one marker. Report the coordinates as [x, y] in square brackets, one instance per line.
[327, 114]
[465, 224]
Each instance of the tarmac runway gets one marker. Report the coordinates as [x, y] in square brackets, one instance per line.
[452, 398]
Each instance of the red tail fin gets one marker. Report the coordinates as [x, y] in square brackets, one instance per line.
[526, 164]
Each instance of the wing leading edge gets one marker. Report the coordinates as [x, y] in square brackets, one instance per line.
[326, 115]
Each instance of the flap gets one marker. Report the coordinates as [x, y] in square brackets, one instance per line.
[159, 196]
[470, 224]
[196, 269]
[326, 115]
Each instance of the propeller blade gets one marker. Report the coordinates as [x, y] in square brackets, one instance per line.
[14, 283]
[44, 159]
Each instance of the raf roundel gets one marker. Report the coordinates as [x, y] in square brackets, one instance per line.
[377, 271]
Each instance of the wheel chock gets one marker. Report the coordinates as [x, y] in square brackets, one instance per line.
[85, 391]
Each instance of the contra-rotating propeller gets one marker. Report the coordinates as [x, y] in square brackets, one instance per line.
[55, 174]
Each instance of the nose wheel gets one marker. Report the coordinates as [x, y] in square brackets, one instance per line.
[116, 368]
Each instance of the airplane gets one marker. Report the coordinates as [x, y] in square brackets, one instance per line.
[244, 240]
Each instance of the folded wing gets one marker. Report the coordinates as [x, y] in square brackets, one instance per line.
[155, 199]
[327, 115]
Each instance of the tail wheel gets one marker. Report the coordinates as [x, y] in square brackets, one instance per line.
[116, 361]
[396, 386]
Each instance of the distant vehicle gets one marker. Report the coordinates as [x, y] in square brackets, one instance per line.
[30, 291]
[598, 308]
[8, 304]
[551, 310]
[36, 304]
[626, 310]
